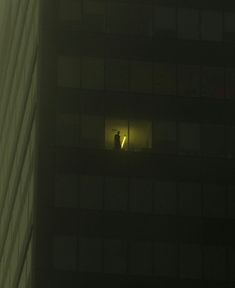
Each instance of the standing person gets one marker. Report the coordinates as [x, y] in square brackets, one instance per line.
[117, 141]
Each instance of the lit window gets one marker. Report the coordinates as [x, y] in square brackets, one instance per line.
[128, 135]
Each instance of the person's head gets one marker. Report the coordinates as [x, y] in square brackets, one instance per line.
[118, 132]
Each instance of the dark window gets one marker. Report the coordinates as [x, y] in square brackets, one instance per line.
[189, 81]
[211, 25]
[116, 193]
[215, 263]
[165, 259]
[213, 82]
[213, 140]
[188, 24]
[190, 261]
[117, 75]
[214, 198]
[165, 198]
[90, 255]
[164, 137]
[229, 26]
[141, 258]
[164, 79]
[165, 21]
[66, 190]
[140, 195]
[115, 256]
[91, 192]
[65, 250]
[189, 138]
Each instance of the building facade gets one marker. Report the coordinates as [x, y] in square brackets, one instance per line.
[159, 211]
[18, 102]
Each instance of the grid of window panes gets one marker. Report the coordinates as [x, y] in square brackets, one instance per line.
[18, 81]
[121, 75]
[158, 136]
[146, 251]
[150, 19]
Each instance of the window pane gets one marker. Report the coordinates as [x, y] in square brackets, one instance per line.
[190, 199]
[215, 263]
[140, 135]
[140, 20]
[66, 189]
[164, 134]
[91, 192]
[65, 253]
[117, 72]
[67, 127]
[165, 21]
[213, 82]
[164, 79]
[230, 83]
[213, 140]
[232, 263]
[165, 198]
[141, 258]
[214, 200]
[231, 201]
[141, 77]
[70, 10]
[230, 138]
[189, 138]
[92, 131]
[90, 255]
[211, 25]
[165, 259]
[93, 15]
[69, 72]
[116, 193]
[118, 17]
[92, 73]
[188, 24]
[141, 195]
[189, 81]
[190, 261]
[115, 256]
[229, 26]
[111, 128]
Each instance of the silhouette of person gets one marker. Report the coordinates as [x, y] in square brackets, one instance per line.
[117, 141]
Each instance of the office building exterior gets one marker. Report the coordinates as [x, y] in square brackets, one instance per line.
[160, 211]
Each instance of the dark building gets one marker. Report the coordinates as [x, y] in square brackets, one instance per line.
[152, 206]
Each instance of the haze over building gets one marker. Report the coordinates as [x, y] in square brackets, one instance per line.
[82, 207]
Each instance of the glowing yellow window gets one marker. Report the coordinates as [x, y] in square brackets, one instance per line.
[134, 135]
